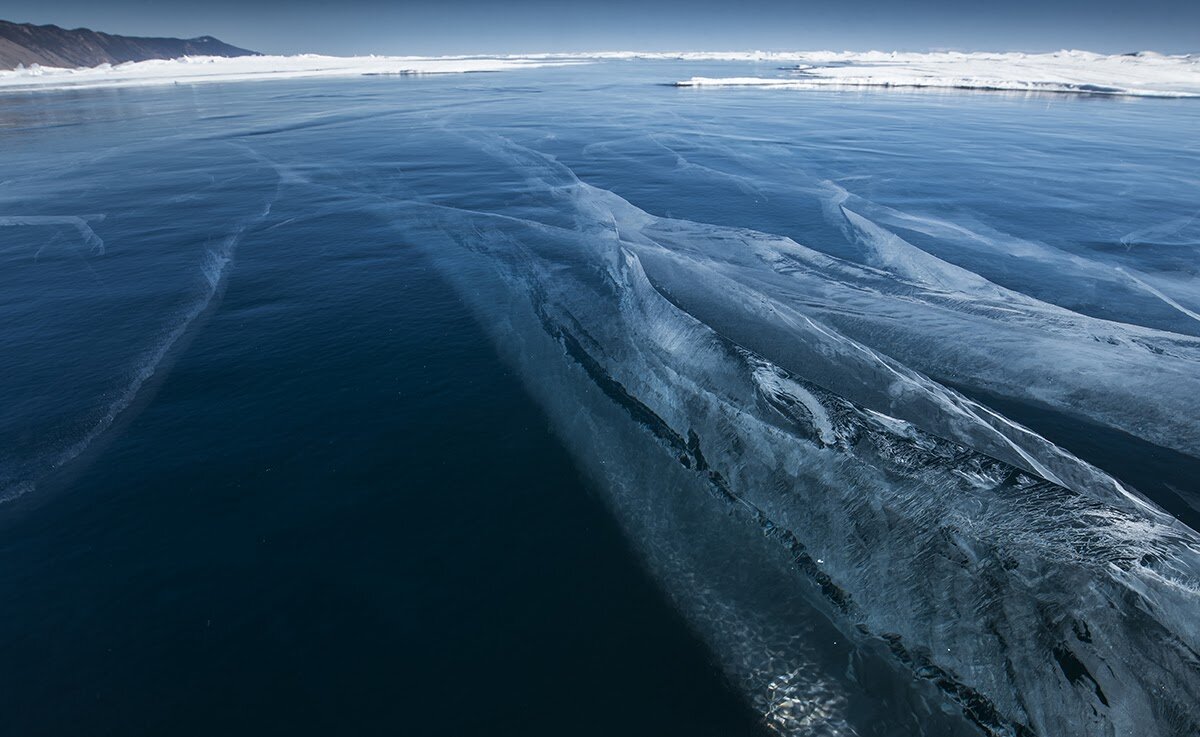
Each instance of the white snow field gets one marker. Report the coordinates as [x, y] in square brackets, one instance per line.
[1146, 74]
[194, 69]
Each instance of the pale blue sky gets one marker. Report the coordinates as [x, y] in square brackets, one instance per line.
[464, 26]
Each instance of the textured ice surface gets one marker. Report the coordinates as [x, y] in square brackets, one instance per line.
[80, 224]
[1031, 590]
[755, 325]
[71, 280]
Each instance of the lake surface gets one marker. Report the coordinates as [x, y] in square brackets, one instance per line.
[563, 401]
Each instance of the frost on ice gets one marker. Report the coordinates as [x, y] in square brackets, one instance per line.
[701, 374]
[1142, 75]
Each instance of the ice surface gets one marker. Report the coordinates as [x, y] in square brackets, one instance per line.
[196, 69]
[685, 362]
[1143, 75]
[774, 423]
[93, 241]
[106, 391]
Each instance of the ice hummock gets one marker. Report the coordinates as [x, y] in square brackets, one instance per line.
[197, 69]
[1033, 592]
[1145, 74]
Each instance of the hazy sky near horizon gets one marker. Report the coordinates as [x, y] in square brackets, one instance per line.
[486, 26]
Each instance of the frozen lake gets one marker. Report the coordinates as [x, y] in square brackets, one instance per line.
[566, 400]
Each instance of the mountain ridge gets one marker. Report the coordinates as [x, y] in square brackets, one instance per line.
[51, 46]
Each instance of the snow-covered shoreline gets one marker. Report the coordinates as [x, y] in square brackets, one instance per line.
[1140, 75]
[198, 69]
[1146, 74]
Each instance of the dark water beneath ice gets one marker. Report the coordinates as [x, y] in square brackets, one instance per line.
[436, 405]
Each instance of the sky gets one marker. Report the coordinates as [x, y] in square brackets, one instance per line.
[430, 27]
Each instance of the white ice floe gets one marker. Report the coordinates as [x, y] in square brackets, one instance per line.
[195, 69]
[1146, 74]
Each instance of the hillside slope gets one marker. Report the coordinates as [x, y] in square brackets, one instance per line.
[51, 46]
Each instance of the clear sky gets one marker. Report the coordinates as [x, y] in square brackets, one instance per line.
[488, 26]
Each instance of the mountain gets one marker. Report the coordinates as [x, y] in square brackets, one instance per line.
[51, 46]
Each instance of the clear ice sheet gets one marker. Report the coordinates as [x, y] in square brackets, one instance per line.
[1033, 591]
[751, 343]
